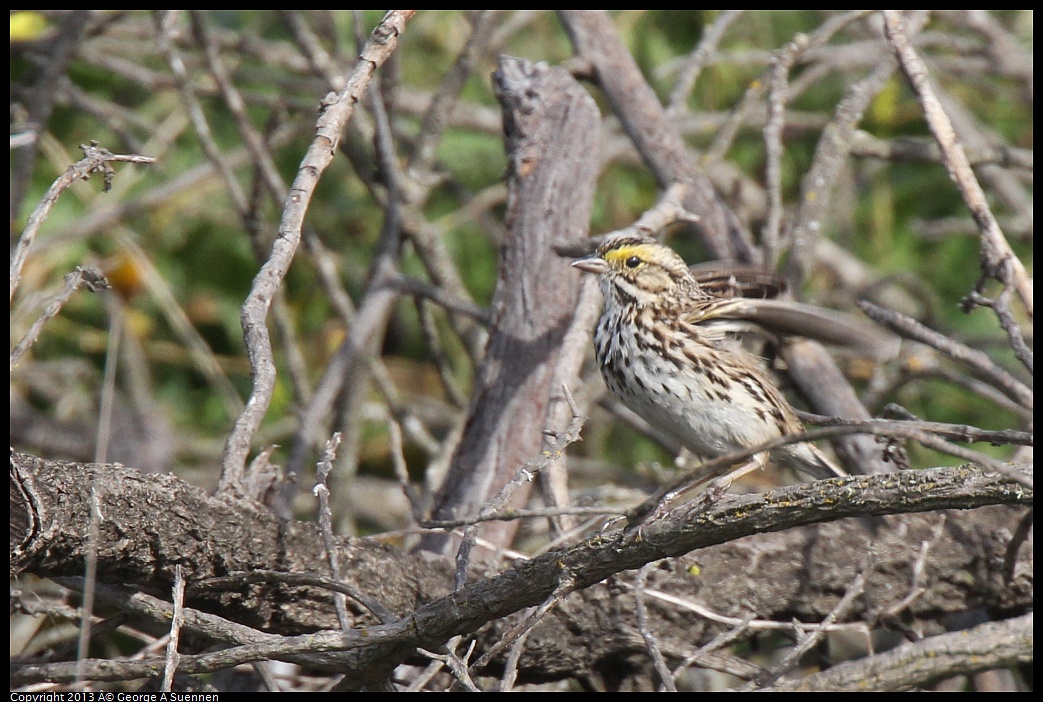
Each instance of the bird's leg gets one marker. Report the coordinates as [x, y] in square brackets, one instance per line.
[724, 483]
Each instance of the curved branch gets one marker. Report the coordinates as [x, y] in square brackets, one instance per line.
[336, 111]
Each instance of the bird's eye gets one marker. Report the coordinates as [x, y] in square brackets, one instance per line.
[633, 262]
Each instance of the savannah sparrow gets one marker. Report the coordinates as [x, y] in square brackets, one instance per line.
[667, 349]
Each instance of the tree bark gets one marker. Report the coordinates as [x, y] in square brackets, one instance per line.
[551, 125]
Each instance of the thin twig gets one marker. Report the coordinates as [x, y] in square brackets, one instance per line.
[440, 296]
[176, 622]
[322, 492]
[166, 25]
[319, 60]
[1001, 306]
[457, 666]
[455, 394]
[262, 158]
[96, 160]
[435, 119]
[107, 401]
[694, 62]
[926, 368]
[566, 584]
[510, 668]
[911, 329]
[90, 581]
[705, 655]
[398, 463]
[917, 576]
[668, 210]
[508, 514]
[666, 677]
[782, 62]
[957, 432]
[853, 592]
[90, 278]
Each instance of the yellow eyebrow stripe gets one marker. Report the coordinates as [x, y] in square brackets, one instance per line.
[643, 251]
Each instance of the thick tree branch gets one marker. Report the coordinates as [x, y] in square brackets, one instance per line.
[153, 523]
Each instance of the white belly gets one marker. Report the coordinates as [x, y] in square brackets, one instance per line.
[694, 407]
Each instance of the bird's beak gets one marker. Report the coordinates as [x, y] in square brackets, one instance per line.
[591, 264]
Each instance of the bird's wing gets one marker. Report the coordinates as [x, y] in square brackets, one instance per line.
[790, 318]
